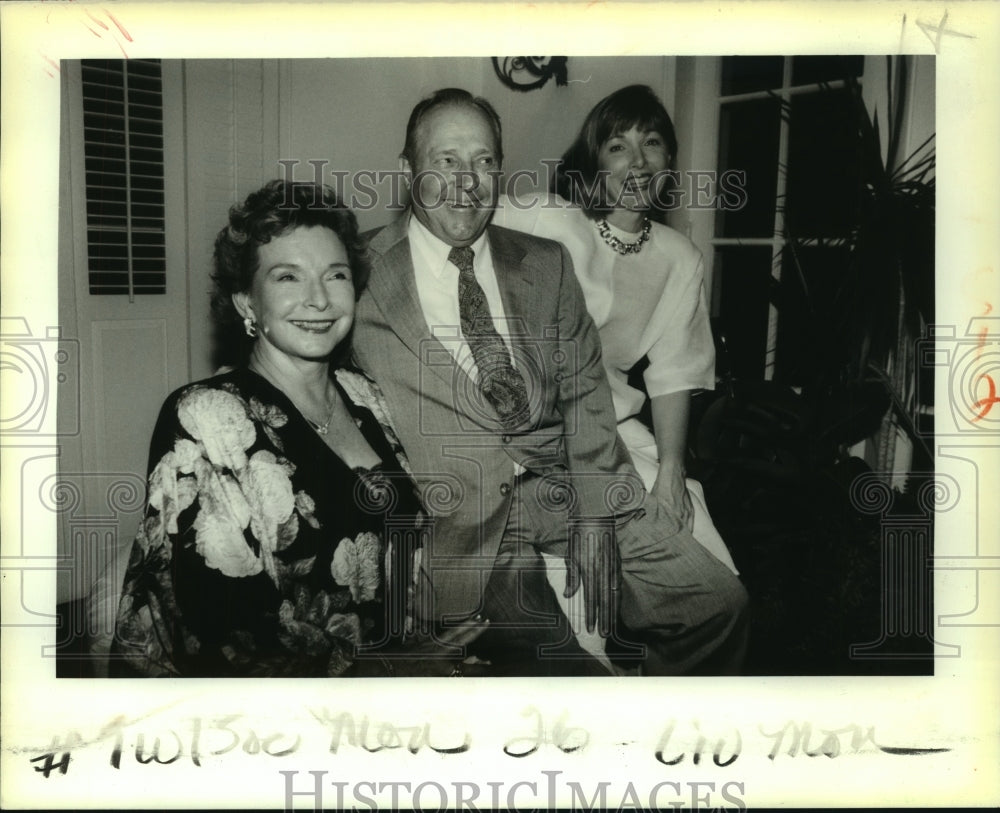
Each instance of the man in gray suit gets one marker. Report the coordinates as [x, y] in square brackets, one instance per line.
[480, 339]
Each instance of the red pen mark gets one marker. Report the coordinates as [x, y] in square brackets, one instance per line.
[92, 17]
[119, 26]
[981, 344]
[990, 399]
[983, 333]
[53, 63]
[121, 29]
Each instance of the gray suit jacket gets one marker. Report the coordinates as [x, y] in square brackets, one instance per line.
[462, 459]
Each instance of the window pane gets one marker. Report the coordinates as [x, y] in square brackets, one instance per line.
[823, 165]
[809, 312]
[744, 274]
[748, 142]
[807, 70]
[745, 74]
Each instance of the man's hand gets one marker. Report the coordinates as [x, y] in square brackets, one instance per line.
[592, 559]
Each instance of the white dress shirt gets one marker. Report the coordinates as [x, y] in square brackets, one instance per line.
[437, 289]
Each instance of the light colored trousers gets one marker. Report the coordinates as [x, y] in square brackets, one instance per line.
[642, 446]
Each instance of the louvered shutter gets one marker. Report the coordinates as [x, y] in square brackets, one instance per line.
[123, 144]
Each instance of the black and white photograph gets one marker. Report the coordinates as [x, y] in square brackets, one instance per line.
[781, 373]
[650, 392]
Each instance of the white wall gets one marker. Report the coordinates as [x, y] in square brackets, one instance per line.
[353, 112]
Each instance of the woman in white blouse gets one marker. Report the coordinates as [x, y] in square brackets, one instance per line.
[643, 282]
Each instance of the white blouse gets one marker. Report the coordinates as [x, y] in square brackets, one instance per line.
[650, 303]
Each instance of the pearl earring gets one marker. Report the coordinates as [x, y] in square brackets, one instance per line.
[250, 326]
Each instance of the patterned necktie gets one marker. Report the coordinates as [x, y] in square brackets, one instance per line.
[499, 382]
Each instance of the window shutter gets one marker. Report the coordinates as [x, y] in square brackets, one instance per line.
[123, 145]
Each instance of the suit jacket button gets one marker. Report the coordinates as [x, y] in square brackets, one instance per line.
[505, 439]
[505, 489]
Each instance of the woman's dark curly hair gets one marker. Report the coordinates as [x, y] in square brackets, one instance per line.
[576, 175]
[273, 210]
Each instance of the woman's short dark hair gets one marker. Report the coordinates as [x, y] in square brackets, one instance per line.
[633, 106]
[451, 97]
[272, 211]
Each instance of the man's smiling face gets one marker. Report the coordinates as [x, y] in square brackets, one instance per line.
[454, 172]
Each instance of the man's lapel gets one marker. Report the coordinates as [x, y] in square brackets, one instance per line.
[394, 289]
[513, 278]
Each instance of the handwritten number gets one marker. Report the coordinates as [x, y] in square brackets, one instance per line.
[990, 399]
[566, 738]
[222, 724]
[534, 741]
[267, 744]
[251, 745]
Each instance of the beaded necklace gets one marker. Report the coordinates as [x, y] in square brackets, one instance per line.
[621, 246]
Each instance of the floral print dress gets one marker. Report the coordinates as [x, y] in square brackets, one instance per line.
[261, 552]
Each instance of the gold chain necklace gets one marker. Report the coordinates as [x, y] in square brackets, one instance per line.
[323, 428]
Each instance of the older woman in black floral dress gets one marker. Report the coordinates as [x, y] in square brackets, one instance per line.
[264, 546]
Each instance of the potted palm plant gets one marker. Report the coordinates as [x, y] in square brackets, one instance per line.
[776, 460]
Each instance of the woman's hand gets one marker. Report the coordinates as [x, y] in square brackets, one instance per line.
[440, 655]
[670, 423]
[671, 491]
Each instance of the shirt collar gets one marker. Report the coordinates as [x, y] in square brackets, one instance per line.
[434, 249]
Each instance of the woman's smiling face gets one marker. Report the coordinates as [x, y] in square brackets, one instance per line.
[302, 294]
[632, 162]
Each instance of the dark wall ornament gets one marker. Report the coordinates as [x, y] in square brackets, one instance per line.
[526, 73]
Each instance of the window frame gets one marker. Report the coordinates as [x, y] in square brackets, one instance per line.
[698, 120]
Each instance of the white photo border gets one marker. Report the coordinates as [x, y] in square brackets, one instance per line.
[595, 731]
